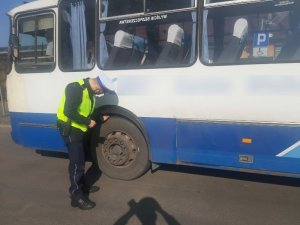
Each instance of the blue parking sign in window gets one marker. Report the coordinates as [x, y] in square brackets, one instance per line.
[261, 39]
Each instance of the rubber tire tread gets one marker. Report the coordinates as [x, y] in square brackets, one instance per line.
[141, 163]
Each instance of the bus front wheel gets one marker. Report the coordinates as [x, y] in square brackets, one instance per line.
[122, 150]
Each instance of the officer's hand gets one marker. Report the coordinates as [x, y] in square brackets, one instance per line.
[92, 123]
[105, 117]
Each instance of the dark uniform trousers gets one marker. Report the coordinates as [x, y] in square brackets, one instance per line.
[75, 144]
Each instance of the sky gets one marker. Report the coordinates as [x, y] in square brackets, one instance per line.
[5, 6]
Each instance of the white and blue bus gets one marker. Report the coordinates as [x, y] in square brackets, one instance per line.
[209, 83]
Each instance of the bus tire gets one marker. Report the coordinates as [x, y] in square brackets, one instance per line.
[122, 151]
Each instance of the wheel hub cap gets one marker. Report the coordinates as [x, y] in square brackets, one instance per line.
[119, 149]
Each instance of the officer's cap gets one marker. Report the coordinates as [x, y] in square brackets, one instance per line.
[106, 83]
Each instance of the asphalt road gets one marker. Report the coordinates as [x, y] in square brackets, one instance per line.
[33, 191]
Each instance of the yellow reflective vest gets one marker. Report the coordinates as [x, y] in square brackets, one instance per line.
[85, 108]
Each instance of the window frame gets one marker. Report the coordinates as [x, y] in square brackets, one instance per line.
[36, 67]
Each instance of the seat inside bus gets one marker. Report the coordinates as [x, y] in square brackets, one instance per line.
[126, 51]
[172, 50]
[233, 50]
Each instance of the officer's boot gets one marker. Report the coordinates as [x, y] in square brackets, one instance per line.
[83, 203]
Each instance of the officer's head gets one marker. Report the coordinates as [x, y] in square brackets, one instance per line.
[102, 84]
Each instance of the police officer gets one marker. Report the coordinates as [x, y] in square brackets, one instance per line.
[73, 120]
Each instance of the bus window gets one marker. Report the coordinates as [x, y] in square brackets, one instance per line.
[124, 7]
[255, 33]
[36, 42]
[165, 40]
[77, 35]
[159, 5]
[27, 40]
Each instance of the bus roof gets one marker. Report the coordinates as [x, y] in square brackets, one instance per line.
[33, 6]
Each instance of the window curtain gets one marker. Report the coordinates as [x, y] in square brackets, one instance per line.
[103, 52]
[205, 53]
[194, 17]
[78, 35]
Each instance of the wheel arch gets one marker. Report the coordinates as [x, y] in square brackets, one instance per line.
[114, 110]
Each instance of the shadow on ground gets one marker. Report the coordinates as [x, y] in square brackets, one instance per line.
[146, 211]
[262, 178]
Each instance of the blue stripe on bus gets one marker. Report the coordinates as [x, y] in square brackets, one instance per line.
[189, 142]
[162, 136]
[36, 130]
[216, 143]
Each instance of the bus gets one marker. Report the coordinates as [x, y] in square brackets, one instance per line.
[206, 83]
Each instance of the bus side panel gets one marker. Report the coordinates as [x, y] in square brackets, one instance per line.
[250, 146]
[162, 137]
[36, 130]
[274, 148]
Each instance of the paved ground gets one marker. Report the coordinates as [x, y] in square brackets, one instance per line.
[4, 121]
[4, 118]
[33, 191]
